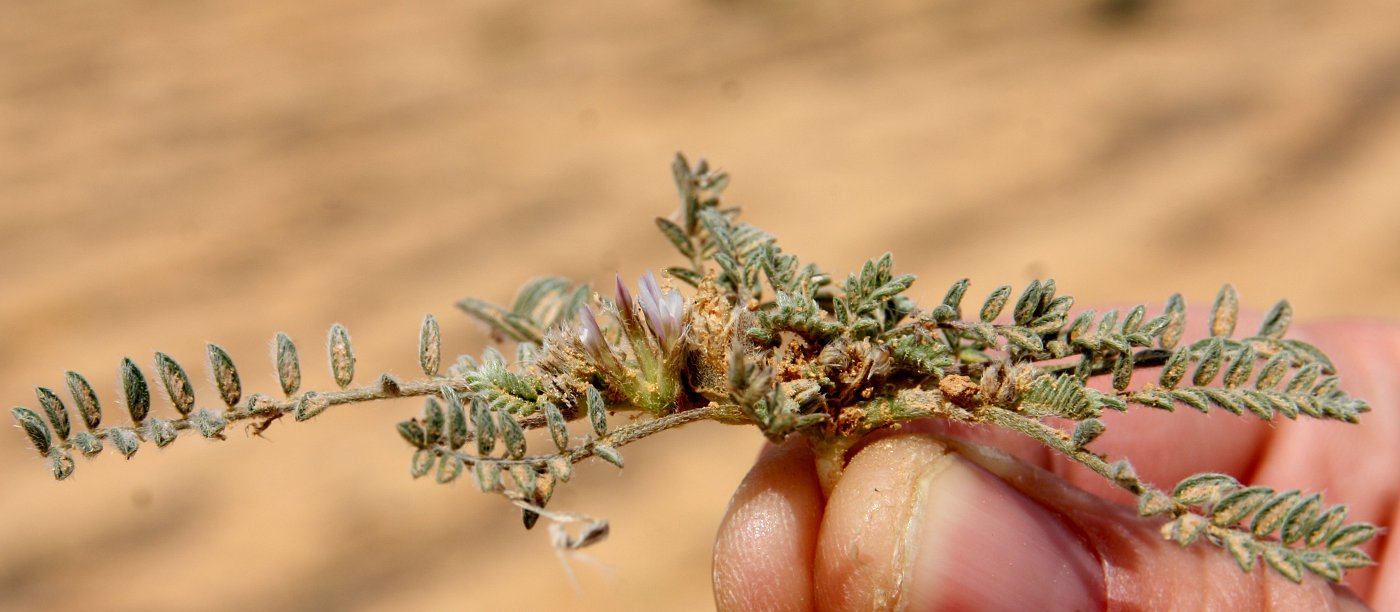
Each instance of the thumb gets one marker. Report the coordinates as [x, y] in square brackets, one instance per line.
[923, 523]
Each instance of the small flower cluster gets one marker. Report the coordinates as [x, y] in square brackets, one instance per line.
[652, 326]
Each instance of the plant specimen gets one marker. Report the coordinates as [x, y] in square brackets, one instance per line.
[762, 339]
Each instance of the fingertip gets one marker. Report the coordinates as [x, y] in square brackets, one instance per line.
[766, 542]
[859, 561]
[915, 526]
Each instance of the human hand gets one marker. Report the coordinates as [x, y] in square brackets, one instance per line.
[936, 516]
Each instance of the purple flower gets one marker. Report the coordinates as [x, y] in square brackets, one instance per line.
[624, 299]
[664, 312]
[591, 337]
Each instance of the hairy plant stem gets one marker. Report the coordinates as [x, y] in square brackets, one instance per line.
[621, 436]
[1060, 441]
[269, 408]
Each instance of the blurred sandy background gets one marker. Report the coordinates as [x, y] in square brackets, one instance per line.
[177, 172]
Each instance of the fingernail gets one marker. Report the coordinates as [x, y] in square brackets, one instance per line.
[975, 543]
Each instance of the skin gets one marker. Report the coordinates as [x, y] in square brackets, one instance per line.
[943, 517]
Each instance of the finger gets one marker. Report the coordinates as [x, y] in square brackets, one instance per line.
[914, 525]
[766, 542]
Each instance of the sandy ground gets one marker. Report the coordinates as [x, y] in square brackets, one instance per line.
[175, 173]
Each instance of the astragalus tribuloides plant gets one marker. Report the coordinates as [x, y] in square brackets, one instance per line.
[759, 338]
